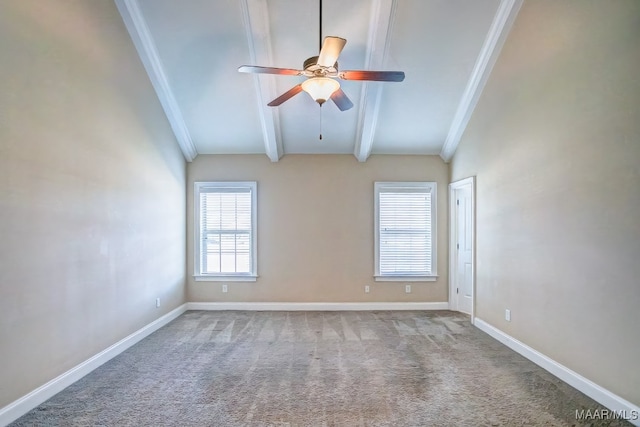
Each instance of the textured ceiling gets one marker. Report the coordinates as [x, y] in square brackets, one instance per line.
[193, 48]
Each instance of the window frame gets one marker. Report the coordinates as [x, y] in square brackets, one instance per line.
[430, 187]
[228, 277]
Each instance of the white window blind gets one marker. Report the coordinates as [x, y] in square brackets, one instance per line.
[226, 240]
[405, 229]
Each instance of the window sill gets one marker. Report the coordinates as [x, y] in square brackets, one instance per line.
[225, 278]
[431, 278]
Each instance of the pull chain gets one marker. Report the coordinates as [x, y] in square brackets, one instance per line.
[320, 122]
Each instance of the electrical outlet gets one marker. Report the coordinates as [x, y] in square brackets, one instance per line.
[366, 289]
[157, 302]
[224, 288]
[407, 288]
[507, 315]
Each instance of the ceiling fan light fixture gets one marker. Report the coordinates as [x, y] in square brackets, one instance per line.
[320, 88]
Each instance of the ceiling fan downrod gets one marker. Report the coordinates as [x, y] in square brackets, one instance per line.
[319, 50]
[320, 29]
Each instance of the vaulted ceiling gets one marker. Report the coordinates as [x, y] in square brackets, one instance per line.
[192, 49]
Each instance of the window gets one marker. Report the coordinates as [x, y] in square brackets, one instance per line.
[225, 235]
[405, 231]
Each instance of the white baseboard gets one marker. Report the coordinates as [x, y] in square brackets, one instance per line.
[18, 408]
[577, 381]
[317, 306]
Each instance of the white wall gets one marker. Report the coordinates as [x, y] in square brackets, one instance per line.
[315, 227]
[555, 145]
[92, 191]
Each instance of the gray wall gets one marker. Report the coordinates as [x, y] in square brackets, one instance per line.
[555, 145]
[315, 227]
[92, 191]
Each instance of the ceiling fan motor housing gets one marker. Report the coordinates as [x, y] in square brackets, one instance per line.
[312, 69]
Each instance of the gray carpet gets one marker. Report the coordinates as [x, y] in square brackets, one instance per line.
[316, 369]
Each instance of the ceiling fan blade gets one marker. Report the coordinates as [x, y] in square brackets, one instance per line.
[269, 70]
[377, 76]
[341, 100]
[285, 96]
[331, 48]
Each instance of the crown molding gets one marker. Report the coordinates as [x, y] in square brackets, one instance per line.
[255, 16]
[143, 41]
[498, 32]
[380, 24]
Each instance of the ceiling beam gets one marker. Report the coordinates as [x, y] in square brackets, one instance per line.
[256, 23]
[141, 37]
[380, 23]
[502, 22]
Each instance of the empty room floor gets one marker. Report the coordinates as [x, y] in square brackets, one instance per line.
[369, 368]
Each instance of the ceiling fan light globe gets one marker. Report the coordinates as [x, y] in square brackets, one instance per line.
[320, 88]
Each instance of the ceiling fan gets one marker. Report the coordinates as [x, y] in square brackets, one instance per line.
[321, 72]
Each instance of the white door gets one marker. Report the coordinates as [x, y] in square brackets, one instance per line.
[463, 241]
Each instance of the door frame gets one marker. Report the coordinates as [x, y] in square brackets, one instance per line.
[453, 220]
